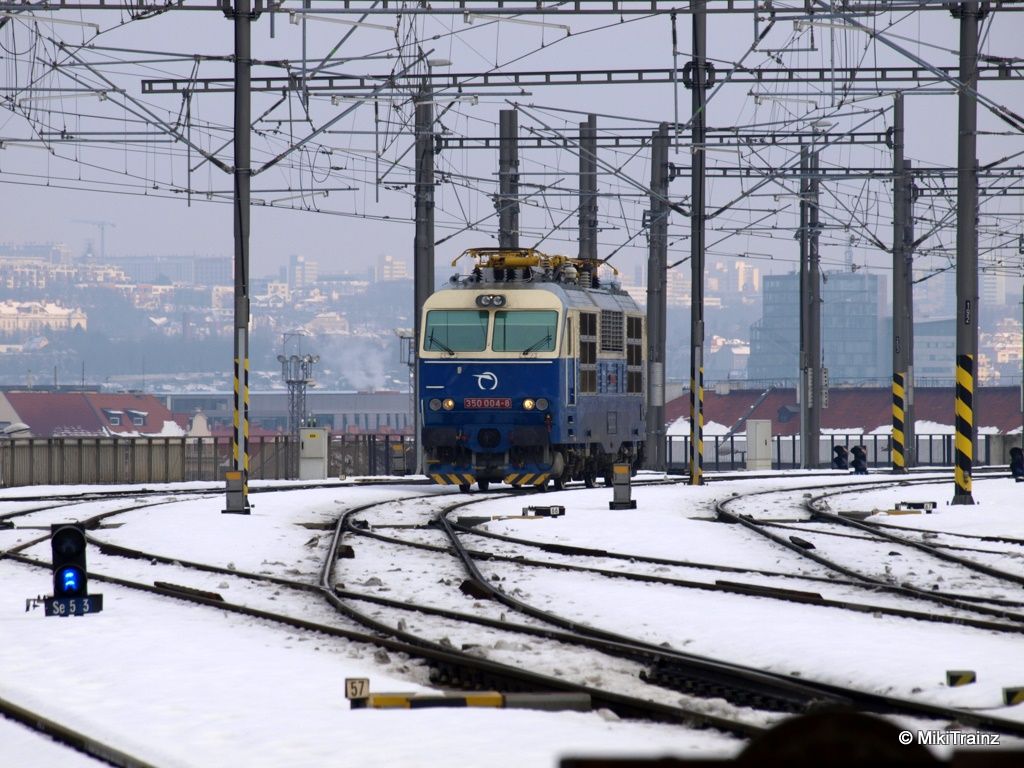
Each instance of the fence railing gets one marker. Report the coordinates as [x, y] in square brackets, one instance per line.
[726, 453]
[371, 455]
[96, 460]
[93, 460]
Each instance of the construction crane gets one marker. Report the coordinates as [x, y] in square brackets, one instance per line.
[102, 227]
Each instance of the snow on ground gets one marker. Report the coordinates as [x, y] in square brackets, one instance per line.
[185, 685]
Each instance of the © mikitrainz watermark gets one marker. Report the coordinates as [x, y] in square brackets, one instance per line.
[939, 738]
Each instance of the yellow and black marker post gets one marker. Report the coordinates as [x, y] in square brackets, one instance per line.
[242, 16]
[697, 428]
[899, 447]
[969, 15]
[964, 440]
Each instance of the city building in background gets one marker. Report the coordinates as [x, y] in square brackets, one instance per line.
[855, 345]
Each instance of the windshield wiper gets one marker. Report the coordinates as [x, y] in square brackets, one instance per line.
[537, 344]
[432, 341]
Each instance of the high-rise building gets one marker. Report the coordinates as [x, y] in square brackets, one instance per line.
[302, 273]
[855, 346]
[391, 268]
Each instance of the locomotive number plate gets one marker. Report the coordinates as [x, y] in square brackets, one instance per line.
[487, 402]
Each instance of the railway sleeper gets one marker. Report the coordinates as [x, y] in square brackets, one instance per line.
[708, 685]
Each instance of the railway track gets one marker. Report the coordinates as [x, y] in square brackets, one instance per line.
[450, 665]
[812, 505]
[696, 674]
[692, 676]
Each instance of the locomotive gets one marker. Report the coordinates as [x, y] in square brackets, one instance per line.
[530, 371]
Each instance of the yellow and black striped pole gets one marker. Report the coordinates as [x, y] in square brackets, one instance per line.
[697, 428]
[964, 440]
[969, 14]
[899, 410]
[242, 15]
[698, 76]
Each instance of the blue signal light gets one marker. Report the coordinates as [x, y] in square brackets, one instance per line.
[70, 580]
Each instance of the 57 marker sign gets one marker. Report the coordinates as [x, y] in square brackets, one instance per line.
[357, 687]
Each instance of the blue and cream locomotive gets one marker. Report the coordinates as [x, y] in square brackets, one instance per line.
[529, 371]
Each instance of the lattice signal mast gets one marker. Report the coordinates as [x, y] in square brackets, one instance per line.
[297, 371]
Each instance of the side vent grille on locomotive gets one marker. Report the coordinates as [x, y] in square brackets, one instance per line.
[611, 331]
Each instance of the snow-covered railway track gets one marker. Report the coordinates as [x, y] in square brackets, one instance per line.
[197, 582]
[817, 527]
[663, 666]
[64, 734]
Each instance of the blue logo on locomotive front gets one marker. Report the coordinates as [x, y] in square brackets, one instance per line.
[491, 404]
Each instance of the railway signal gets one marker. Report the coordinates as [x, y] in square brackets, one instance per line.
[70, 575]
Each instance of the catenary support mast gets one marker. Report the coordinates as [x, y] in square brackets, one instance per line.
[902, 300]
[966, 252]
[423, 246]
[810, 313]
[656, 300]
[814, 313]
[243, 16]
[698, 84]
[588, 190]
[507, 202]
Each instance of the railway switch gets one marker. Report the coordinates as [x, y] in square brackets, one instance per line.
[622, 488]
[70, 576]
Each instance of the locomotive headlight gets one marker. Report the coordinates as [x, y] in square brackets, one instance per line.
[448, 403]
[529, 404]
[491, 300]
[542, 403]
[435, 404]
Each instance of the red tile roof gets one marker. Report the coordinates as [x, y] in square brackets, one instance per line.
[150, 409]
[55, 414]
[856, 408]
[82, 414]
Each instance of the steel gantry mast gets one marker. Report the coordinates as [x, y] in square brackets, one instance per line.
[697, 80]
[423, 246]
[588, 192]
[966, 252]
[507, 201]
[243, 16]
[902, 300]
[810, 387]
[657, 277]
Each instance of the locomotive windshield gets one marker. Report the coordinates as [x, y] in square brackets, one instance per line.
[525, 331]
[456, 330]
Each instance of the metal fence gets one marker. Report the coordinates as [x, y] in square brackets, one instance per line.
[371, 455]
[96, 460]
[730, 452]
[93, 460]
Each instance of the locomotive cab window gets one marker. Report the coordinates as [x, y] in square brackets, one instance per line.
[525, 331]
[455, 330]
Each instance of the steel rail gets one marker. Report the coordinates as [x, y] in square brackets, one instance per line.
[876, 702]
[935, 597]
[468, 669]
[813, 506]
